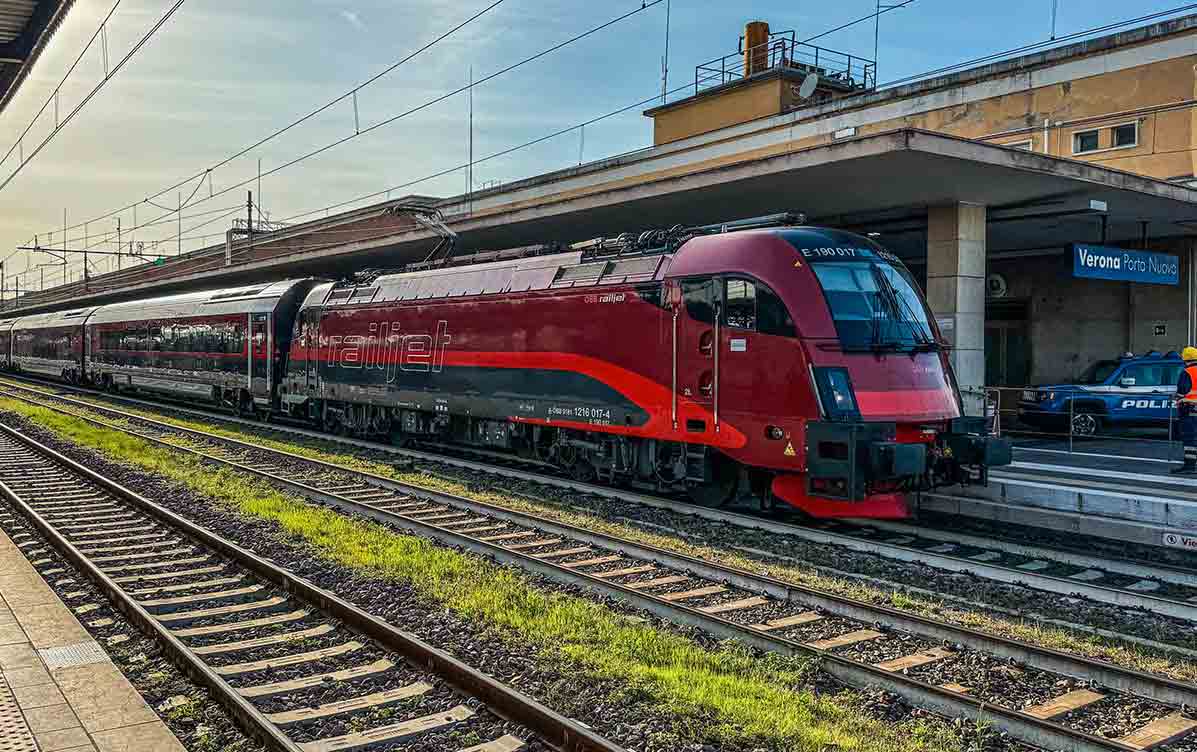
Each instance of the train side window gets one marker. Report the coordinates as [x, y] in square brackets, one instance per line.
[740, 311]
[754, 307]
[653, 294]
[771, 314]
[699, 296]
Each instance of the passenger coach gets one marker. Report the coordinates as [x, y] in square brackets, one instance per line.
[50, 344]
[6, 342]
[224, 346]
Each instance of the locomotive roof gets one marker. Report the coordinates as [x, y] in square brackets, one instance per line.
[574, 268]
[552, 271]
[260, 298]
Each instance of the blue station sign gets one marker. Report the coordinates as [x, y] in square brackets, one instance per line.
[1103, 262]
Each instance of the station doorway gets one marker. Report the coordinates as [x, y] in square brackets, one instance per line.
[1007, 343]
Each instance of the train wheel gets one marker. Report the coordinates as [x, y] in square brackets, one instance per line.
[582, 471]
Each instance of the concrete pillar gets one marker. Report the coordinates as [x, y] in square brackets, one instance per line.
[956, 292]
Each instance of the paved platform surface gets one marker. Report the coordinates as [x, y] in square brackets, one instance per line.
[1124, 466]
[59, 692]
[1120, 490]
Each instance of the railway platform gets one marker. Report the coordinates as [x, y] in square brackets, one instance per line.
[1111, 488]
[59, 692]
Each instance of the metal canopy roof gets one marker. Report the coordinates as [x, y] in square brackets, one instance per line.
[25, 28]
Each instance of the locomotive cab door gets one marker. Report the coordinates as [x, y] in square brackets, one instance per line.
[312, 352]
[695, 351]
[259, 355]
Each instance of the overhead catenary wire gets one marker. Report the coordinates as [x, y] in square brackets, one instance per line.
[207, 172]
[106, 236]
[227, 212]
[657, 97]
[1041, 44]
[438, 99]
[507, 69]
[555, 134]
[108, 77]
[33, 121]
[541, 139]
[501, 153]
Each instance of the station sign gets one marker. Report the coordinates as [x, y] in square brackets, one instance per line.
[1104, 262]
[1177, 540]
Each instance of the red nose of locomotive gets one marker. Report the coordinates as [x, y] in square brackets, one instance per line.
[889, 415]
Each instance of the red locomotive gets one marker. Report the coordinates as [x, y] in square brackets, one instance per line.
[754, 360]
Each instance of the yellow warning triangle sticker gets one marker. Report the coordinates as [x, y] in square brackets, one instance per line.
[789, 449]
[798, 264]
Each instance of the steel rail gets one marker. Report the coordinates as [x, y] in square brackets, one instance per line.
[1156, 687]
[558, 731]
[1130, 567]
[250, 719]
[945, 701]
[1059, 585]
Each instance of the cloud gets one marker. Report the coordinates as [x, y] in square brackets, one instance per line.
[353, 18]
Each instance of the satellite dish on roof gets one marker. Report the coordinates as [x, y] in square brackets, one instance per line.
[809, 84]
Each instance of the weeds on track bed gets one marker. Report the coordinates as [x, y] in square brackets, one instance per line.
[727, 695]
[1094, 646]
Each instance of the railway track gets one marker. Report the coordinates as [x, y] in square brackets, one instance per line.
[1043, 697]
[299, 668]
[1123, 582]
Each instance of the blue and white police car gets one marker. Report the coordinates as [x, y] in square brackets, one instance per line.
[1132, 391]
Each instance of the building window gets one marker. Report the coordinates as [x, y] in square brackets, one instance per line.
[1126, 135]
[1085, 141]
[1023, 145]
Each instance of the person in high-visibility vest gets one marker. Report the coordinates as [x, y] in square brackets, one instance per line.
[1186, 408]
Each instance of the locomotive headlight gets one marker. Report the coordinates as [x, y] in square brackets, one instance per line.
[836, 394]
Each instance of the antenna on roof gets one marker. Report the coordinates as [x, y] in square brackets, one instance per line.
[809, 84]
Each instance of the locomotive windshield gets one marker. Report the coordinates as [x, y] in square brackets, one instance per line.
[875, 305]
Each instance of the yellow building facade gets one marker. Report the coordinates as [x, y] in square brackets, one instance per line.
[1128, 101]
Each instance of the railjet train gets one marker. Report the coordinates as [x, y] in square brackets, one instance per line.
[756, 360]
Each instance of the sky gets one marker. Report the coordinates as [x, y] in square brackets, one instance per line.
[222, 74]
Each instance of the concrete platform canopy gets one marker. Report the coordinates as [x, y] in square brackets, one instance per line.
[25, 28]
[884, 183]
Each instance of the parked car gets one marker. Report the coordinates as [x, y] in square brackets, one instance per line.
[1131, 391]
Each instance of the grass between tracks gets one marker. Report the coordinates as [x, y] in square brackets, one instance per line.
[1029, 630]
[726, 695]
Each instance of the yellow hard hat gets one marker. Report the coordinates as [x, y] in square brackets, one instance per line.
[1189, 353]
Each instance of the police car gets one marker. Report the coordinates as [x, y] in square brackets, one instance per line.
[1132, 391]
